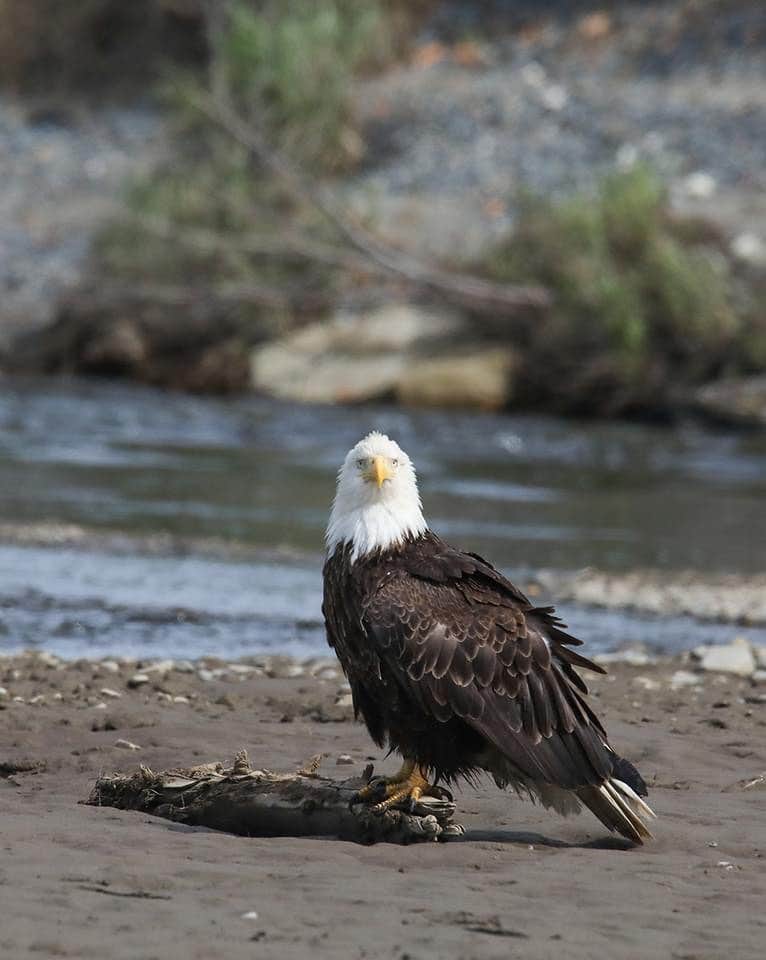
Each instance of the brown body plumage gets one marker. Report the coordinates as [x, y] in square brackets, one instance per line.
[453, 667]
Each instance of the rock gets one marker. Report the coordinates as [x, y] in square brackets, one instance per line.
[119, 347]
[160, 666]
[205, 675]
[346, 700]
[700, 185]
[759, 677]
[759, 652]
[108, 692]
[3, 693]
[240, 669]
[646, 683]
[684, 678]
[185, 666]
[138, 680]
[110, 666]
[126, 745]
[481, 378]
[735, 657]
[352, 358]
[344, 758]
[180, 699]
[750, 248]
[634, 656]
[740, 400]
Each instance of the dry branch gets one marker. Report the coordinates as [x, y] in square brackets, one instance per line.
[259, 803]
[470, 291]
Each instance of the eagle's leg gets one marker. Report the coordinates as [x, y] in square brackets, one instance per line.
[408, 783]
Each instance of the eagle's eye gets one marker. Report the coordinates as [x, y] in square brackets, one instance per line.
[394, 463]
[361, 463]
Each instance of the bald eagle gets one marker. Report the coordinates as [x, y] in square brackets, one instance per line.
[451, 666]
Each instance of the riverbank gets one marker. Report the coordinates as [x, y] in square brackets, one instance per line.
[522, 882]
[451, 141]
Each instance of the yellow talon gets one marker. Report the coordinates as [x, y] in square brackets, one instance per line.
[409, 783]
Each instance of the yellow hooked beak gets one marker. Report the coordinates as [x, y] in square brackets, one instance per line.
[379, 471]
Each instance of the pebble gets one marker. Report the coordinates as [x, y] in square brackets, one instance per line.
[250, 915]
[684, 678]
[759, 676]
[38, 698]
[19, 700]
[126, 745]
[99, 706]
[138, 680]
[344, 758]
[180, 699]
[185, 666]
[646, 683]
[205, 675]
[241, 668]
[735, 657]
[110, 666]
[160, 666]
[345, 701]
[3, 693]
[108, 692]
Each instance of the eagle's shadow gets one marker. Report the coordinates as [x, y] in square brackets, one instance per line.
[527, 838]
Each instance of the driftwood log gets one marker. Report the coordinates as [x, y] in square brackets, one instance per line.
[260, 803]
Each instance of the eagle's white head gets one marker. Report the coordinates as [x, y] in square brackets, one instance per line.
[377, 503]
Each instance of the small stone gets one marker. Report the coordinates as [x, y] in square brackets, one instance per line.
[750, 248]
[38, 698]
[185, 666]
[684, 678]
[180, 699]
[126, 745]
[250, 915]
[344, 758]
[19, 700]
[759, 676]
[759, 652]
[99, 706]
[47, 659]
[646, 683]
[346, 700]
[160, 666]
[205, 675]
[735, 657]
[164, 697]
[3, 693]
[58, 696]
[110, 666]
[700, 185]
[108, 692]
[243, 669]
[138, 680]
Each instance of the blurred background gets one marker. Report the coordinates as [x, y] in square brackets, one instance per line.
[527, 239]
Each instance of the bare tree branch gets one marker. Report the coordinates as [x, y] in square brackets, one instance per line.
[471, 291]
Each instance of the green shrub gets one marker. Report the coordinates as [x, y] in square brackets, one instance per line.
[289, 65]
[640, 309]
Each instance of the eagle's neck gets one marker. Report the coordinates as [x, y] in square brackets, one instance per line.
[374, 526]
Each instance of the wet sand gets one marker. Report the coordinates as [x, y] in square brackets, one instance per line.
[79, 881]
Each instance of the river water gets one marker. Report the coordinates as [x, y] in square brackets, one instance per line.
[143, 523]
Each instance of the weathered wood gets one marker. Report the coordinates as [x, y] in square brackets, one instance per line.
[260, 803]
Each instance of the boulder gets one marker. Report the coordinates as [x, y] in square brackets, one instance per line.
[734, 401]
[735, 657]
[353, 357]
[479, 378]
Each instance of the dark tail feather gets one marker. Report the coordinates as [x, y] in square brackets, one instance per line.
[625, 771]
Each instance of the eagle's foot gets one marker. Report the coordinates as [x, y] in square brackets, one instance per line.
[408, 785]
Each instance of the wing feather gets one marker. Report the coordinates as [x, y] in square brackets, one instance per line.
[469, 645]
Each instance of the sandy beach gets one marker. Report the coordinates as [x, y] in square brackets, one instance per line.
[79, 881]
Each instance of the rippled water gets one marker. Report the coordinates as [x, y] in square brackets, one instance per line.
[525, 491]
